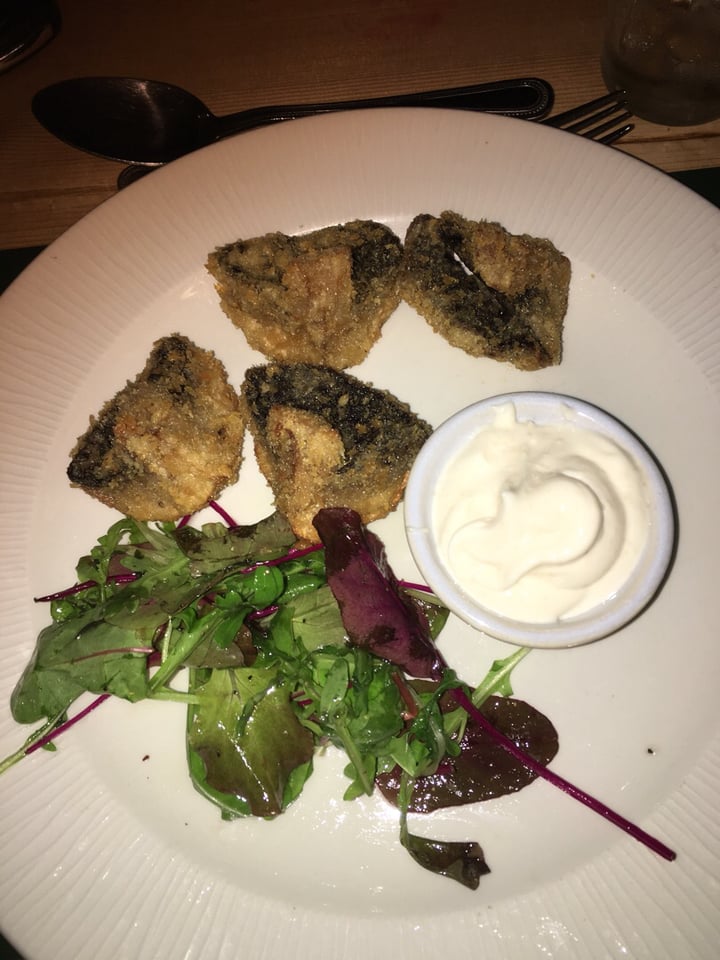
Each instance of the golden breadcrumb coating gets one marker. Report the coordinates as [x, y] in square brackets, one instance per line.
[325, 439]
[320, 297]
[169, 441]
[487, 291]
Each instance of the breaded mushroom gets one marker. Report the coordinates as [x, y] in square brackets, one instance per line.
[325, 439]
[320, 297]
[485, 290]
[169, 441]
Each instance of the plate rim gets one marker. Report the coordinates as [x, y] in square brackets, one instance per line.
[140, 193]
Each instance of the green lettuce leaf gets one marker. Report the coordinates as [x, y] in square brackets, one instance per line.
[247, 751]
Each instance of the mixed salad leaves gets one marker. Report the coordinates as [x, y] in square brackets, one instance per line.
[278, 653]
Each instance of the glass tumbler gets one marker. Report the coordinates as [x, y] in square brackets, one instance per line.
[665, 54]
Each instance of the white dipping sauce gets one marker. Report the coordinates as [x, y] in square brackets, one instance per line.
[539, 522]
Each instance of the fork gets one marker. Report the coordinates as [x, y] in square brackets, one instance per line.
[601, 119]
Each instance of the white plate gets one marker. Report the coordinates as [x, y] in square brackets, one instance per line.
[107, 850]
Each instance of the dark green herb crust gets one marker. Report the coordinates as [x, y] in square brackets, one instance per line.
[320, 297]
[324, 438]
[95, 463]
[487, 291]
[367, 419]
[169, 441]
[92, 466]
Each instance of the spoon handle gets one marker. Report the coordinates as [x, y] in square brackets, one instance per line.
[527, 98]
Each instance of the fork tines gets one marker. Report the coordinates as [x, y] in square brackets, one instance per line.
[598, 119]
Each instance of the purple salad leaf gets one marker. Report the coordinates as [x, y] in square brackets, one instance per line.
[376, 612]
[483, 769]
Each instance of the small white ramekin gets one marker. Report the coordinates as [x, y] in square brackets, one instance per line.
[606, 618]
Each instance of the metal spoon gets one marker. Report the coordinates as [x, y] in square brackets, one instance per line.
[150, 122]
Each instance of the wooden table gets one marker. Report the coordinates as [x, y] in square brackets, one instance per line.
[242, 53]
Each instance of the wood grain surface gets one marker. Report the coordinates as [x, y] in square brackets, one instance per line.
[236, 54]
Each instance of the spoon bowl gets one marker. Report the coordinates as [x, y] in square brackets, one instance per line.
[151, 122]
[121, 118]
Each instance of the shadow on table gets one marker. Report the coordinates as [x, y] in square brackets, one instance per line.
[704, 182]
[8, 952]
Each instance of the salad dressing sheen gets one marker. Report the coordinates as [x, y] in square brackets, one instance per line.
[539, 522]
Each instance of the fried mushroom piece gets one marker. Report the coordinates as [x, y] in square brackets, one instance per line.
[321, 297]
[169, 441]
[489, 292]
[324, 438]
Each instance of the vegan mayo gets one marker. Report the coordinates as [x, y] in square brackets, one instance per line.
[540, 522]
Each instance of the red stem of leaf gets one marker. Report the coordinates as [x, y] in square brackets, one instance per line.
[408, 585]
[61, 728]
[290, 555]
[86, 585]
[557, 781]
[222, 512]
[407, 697]
[147, 651]
[261, 614]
